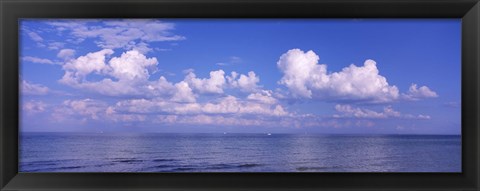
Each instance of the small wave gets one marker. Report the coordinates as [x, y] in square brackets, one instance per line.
[163, 160]
[184, 169]
[69, 167]
[232, 166]
[39, 164]
[128, 160]
[221, 166]
[54, 169]
[249, 165]
[163, 166]
[51, 161]
[313, 168]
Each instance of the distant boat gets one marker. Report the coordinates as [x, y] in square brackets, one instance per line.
[224, 133]
[269, 134]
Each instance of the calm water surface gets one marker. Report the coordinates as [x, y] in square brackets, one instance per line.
[96, 152]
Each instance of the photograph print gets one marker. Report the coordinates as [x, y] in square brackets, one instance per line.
[240, 95]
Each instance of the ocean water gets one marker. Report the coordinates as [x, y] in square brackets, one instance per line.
[104, 152]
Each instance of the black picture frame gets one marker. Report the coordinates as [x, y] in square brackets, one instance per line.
[12, 10]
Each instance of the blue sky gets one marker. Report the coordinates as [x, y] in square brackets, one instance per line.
[230, 75]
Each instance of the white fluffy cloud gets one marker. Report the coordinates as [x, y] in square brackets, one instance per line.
[33, 89]
[246, 83]
[183, 93]
[216, 120]
[37, 60]
[298, 68]
[226, 111]
[84, 110]
[124, 75]
[264, 96]
[304, 77]
[160, 87]
[415, 93]
[78, 69]
[129, 75]
[228, 105]
[259, 121]
[131, 66]
[347, 111]
[214, 84]
[233, 105]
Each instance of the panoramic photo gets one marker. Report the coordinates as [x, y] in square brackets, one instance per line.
[240, 95]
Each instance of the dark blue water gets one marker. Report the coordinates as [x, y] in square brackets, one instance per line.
[77, 152]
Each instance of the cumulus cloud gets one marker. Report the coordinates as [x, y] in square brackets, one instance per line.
[215, 120]
[82, 109]
[226, 111]
[161, 87]
[112, 34]
[85, 110]
[246, 83]
[131, 65]
[37, 60]
[33, 89]
[78, 69]
[233, 105]
[415, 93]
[297, 66]
[228, 105]
[304, 77]
[183, 93]
[214, 84]
[86, 107]
[259, 121]
[264, 96]
[347, 111]
[127, 74]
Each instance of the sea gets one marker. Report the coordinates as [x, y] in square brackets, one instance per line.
[235, 152]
